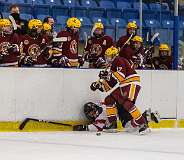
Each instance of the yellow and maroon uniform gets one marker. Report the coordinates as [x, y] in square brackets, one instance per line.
[33, 47]
[70, 46]
[125, 93]
[96, 48]
[9, 50]
[162, 63]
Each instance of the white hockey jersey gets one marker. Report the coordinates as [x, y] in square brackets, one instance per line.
[101, 121]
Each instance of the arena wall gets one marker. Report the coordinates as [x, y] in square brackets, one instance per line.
[59, 94]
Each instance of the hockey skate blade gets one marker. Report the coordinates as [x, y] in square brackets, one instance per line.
[145, 132]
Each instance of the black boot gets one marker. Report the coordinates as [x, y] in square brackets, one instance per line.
[144, 129]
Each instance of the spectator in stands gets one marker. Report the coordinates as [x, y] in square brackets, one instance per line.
[164, 60]
[51, 22]
[19, 25]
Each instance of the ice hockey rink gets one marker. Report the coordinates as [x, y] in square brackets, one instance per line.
[160, 144]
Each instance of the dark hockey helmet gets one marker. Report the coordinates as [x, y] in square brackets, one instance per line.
[92, 110]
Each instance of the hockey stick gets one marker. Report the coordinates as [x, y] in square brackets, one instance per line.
[23, 124]
[86, 39]
[127, 40]
[154, 37]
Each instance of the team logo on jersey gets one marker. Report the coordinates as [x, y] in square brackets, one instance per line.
[4, 47]
[97, 49]
[26, 42]
[34, 51]
[73, 47]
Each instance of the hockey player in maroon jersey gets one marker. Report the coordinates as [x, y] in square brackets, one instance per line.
[70, 46]
[98, 121]
[9, 45]
[47, 31]
[96, 46]
[124, 41]
[164, 60]
[134, 53]
[125, 93]
[33, 45]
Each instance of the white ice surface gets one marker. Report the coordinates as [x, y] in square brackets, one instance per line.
[163, 144]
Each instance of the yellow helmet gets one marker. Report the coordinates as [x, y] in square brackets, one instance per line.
[111, 52]
[5, 22]
[47, 27]
[1, 22]
[164, 47]
[137, 39]
[73, 23]
[99, 25]
[35, 23]
[131, 25]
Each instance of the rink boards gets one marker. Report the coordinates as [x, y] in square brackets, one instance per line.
[59, 94]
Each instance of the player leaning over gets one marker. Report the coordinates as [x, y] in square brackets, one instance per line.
[125, 93]
[70, 46]
[96, 46]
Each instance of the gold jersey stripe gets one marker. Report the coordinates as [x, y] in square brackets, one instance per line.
[106, 86]
[119, 76]
[132, 79]
[132, 92]
[111, 111]
[135, 114]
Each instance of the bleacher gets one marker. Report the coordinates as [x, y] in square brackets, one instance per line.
[114, 14]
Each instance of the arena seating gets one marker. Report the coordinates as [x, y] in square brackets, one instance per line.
[113, 13]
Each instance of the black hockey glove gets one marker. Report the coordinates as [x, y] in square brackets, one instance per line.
[103, 75]
[12, 48]
[28, 61]
[100, 63]
[80, 128]
[1, 58]
[55, 63]
[94, 86]
[64, 62]
[80, 60]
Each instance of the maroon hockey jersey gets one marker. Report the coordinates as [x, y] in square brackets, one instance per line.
[33, 47]
[9, 50]
[98, 45]
[70, 46]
